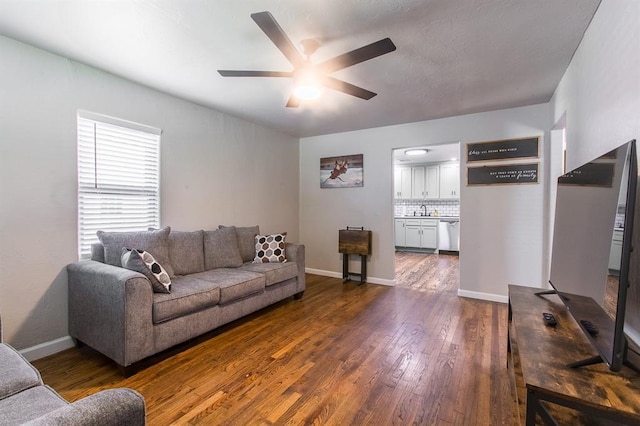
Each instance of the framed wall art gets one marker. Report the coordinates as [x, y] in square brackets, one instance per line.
[342, 172]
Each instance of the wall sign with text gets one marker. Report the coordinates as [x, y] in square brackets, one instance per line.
[507, 149]
[503, 174]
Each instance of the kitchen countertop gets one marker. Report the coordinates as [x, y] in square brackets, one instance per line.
[429, 217]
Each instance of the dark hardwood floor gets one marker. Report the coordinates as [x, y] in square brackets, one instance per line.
[344, 354]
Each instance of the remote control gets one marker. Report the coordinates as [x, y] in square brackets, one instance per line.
[588, 325]
[549, 319]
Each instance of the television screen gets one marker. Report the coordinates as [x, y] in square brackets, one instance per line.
[591, 254]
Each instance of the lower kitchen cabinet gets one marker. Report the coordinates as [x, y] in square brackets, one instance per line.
[399, 233]
[418, 233]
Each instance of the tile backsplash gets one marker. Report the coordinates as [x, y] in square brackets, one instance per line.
[444, 207]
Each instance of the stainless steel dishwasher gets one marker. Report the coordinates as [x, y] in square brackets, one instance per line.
[449, 234]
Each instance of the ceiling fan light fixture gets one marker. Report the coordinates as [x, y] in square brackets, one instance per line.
[307, 86]
[307, 92]
[412, 152]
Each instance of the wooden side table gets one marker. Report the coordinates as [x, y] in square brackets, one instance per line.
[354, 241]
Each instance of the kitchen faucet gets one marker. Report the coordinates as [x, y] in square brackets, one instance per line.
[425, 210]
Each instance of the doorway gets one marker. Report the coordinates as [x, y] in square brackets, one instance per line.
[426, 202]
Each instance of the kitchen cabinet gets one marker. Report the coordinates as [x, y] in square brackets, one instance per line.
[450, 181]
[427, 182]
[399, 232]
[432, 182]
[417, 182]
[402, 182]
[615, 256]
[421, 233]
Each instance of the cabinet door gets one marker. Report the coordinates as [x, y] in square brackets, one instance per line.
[615, 255]
[450, 181]
[397, 182]
[432, 182]
[399, 233]
[417, 182]
[429, 237]
[402, 182]
[405, 177]
[412, 236]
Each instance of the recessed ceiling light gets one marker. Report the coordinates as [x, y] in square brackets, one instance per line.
[454, 159]
[415, 152]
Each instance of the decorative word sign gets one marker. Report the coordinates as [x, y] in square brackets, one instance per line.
[591, 174]
[505, 174]
[502, 150]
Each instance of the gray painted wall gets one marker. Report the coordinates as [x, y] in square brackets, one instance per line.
[501, 226]
[600, 92]
[215, 169]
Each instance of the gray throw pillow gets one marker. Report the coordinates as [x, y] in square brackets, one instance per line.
[155, 242]
[221, 249]
[143, 262]
[246, 243]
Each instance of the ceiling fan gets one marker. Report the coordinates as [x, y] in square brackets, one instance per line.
[306, 73]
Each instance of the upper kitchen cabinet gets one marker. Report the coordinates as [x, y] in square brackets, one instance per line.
[402, 185]
[432, 182]
[425, 182]
[450, 180]
[417, 181]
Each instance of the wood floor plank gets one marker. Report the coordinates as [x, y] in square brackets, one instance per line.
[416, 353]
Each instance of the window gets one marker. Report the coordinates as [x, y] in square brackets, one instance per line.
[118, 177]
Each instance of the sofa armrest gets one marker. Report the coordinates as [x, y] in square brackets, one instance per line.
[110, 309]
[109, 407]
[296, 253]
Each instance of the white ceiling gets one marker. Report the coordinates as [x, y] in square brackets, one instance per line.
[453, 56]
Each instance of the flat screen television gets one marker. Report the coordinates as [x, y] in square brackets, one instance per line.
[594, 269]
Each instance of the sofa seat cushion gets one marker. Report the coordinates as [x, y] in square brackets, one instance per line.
[273, 272]
[17, 373]
[29, 405]
[234, 283]
[188, 294]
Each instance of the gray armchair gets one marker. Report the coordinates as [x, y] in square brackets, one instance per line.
[25, 399]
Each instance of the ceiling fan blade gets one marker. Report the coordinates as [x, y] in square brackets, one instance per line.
[362, 54]
[294, 102]
[350, 89]
[234, 73]
[272, 29]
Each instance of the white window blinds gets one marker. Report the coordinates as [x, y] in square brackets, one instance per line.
[118, 178]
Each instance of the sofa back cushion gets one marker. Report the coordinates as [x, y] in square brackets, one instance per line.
[221, 249]
[155, 242]
[246, 242]
[186, 252]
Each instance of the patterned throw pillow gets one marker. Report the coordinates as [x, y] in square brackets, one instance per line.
[270, 248]
[143, 262]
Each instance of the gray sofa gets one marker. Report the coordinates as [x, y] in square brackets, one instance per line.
[25, 399]
[214, 281]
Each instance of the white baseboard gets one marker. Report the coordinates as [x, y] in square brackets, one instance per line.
[483, 296]
[48, 348]
[332, 274]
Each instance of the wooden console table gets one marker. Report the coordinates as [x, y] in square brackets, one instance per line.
[354, 241]
[547, 389]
